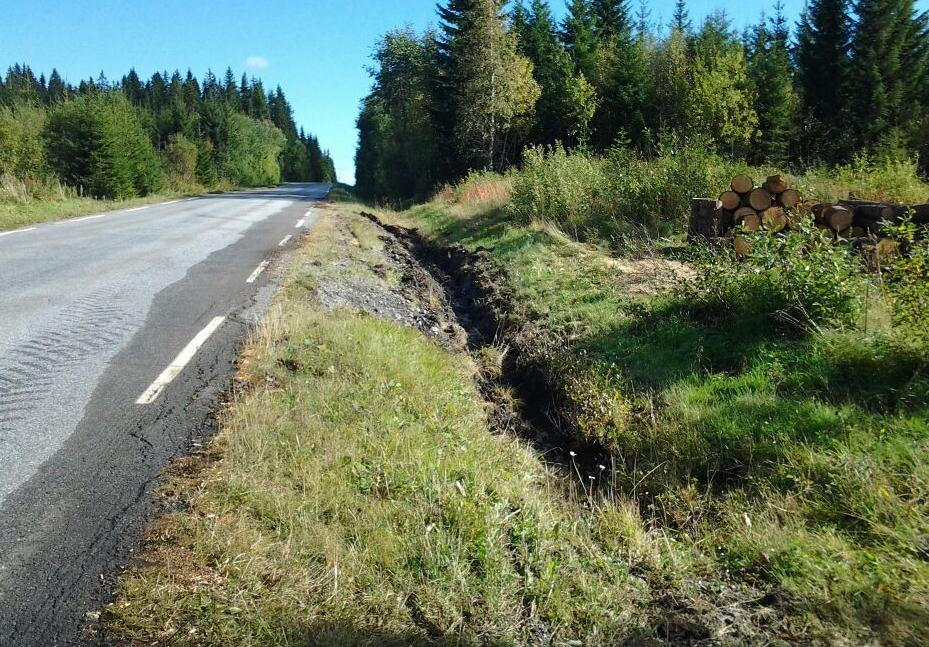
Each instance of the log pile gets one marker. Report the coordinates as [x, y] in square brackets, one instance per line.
[769, 207]
[775, 207]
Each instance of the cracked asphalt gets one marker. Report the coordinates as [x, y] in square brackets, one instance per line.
[92, 311]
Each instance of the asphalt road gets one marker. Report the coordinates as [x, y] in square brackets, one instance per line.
[117, 334]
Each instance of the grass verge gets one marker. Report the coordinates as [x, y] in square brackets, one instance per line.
[356, 496]
[792, 463]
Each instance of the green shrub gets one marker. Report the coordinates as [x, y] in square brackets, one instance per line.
[802, 279]
[97, 142]
[907, 284]
[250, 152]
[22, 151]
[180, 160]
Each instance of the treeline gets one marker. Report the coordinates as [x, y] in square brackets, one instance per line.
[496, 77]
[132, 137]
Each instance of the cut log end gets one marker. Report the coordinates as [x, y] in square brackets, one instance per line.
[730, 200]
[759, 199]
[742, 184]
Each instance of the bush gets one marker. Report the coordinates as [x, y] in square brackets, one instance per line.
[97, 142]
[250, 152]
[907, 284]
[180, 160]
[22, 151]
[803, 279]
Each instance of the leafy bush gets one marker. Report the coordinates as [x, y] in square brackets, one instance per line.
[22, 152]
[97, 142]
[907, 284]
[180, 158]
[802, 279]
[250, 152]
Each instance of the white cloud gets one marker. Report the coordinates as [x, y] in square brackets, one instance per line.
[257, 63]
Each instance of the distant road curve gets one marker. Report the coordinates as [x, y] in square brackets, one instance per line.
[117, 333]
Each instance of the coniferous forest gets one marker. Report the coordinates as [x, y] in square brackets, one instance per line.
[849, 78]
[134, 137]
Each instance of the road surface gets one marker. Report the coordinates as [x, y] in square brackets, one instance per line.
[117, 333]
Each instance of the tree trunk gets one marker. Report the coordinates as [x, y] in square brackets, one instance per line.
[706, 220]
[742, 184]
[789, 198]
[759, 199]
[839, 218]
[776, 184]
[730, 200]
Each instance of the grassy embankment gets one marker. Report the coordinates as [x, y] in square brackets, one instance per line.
[792, 459]
[21, 208]
[768, 483]
[359, 498]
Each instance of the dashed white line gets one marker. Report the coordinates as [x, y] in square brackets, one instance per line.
[300, 223]
[285, 241]
[17, 231]
[258, 270]
[137, 208]
[174, 368]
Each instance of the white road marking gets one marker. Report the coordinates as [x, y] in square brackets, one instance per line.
[174, 368]
[161, 204]
[309, 214]
[258, 270]
[17, 231]
[70, 220]
[285, 241]
[137, 208]
[300, 223]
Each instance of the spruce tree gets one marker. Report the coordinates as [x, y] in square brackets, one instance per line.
[577, 33]
[771, 73]
[680, 20]
[552, 70]
[822, 60]
[57, 89]
[888, 72]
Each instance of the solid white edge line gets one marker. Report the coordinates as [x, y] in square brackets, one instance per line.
[300, 223]
[258, 270]
[285, 241]
[81, 219]
[174, 368]
[309, 214]
[137, 208]
[16, 231]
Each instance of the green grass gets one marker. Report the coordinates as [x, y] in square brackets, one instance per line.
[361, 499]
[21, 213]
[766, 485]
[789, 461]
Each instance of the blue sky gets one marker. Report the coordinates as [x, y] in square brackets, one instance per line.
[316, 50]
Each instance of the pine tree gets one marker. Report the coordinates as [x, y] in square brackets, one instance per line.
[620, 77]
[231, 90]
[577, 33]
[771, 73]
[611, 19]
[681, 19]
[57, 89]
[823, 38]
[552, 70]
[888, 71]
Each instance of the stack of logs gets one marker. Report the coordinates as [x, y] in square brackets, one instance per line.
[769, 206]
[775, 207]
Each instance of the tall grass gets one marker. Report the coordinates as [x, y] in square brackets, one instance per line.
[627, 194]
